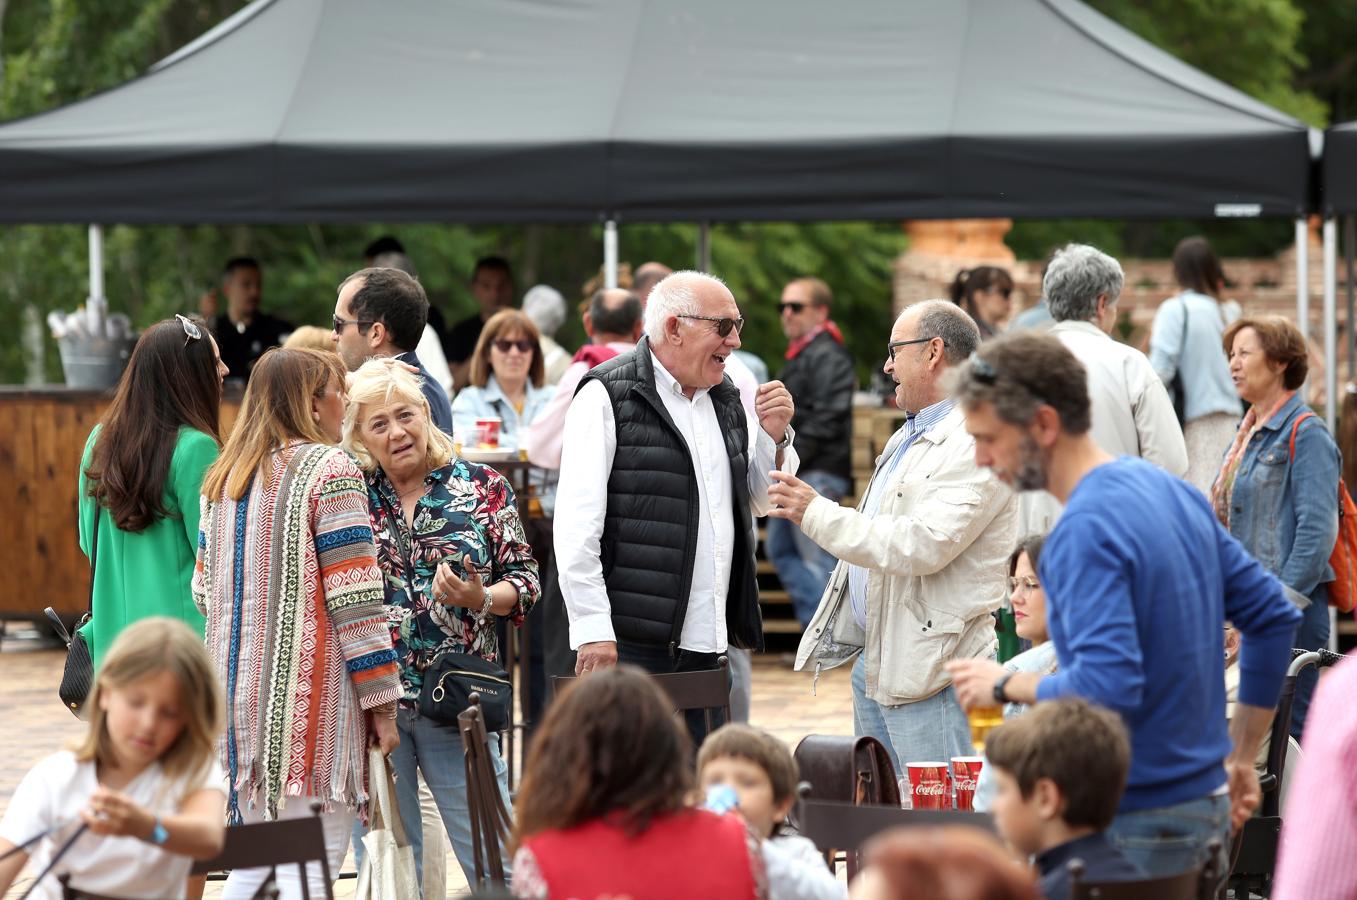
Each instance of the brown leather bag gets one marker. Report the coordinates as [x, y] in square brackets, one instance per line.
[846, 769]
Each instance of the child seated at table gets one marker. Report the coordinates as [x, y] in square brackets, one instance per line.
[762, 773]
[1059, 774]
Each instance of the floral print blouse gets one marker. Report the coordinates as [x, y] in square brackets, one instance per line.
[467, 510]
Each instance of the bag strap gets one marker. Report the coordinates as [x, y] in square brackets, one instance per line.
[94, 557]
[1308, 414]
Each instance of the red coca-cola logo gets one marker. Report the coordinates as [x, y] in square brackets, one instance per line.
[930, 789]
[965, 784]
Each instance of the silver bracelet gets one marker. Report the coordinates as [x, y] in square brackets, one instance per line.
[485, 608]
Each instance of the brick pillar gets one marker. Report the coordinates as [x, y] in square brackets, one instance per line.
[938, 249]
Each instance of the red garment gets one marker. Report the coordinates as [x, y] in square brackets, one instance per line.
[800, 343]
[593, 354]
[690, 854]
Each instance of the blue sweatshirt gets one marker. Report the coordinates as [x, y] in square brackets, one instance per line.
[1139, 579]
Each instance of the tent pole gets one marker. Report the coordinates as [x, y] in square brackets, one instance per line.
[1302, 278]
[704, 246]
[610, 253]
[96, 262]
[1331, 322]
[1349, 251]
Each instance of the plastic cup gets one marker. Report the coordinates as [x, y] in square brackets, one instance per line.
[487, 433]
[965, 774]
[930, 785]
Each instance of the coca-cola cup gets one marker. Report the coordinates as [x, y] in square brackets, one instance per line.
[930, 787]
[487, 433]
[965, 773]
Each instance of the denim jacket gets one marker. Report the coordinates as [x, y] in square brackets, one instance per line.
[1286, 513]
[474, 403]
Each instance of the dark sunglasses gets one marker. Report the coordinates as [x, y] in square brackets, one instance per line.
[191, 330]
[896, 345]
[522, 346]
[341, 324]
[794, 307]
[724, 325]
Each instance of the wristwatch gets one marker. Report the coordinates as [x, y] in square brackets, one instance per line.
[787, 437]
[158, 834]
[999, 695]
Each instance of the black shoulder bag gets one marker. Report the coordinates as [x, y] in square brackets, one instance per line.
[451, 677]
[77, 679]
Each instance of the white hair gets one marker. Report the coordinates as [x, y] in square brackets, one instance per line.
[675, 295]
[546, 307]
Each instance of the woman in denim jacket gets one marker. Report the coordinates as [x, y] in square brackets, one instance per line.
[1283, 510]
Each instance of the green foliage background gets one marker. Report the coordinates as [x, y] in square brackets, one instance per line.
[1299, 55]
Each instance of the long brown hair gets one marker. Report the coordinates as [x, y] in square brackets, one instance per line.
[148, 647]
[170, 383]
[1197, 268]
[276, 411]
[507, 321]
[610, 745]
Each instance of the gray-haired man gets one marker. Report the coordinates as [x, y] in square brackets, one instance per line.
[923, 559]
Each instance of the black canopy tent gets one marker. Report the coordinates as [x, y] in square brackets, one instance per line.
[485, 110]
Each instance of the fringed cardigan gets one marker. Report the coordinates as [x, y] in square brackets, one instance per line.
[288, 580]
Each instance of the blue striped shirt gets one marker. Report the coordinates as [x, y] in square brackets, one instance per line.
[914, 426]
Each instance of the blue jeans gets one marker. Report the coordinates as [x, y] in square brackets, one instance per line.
[803, 566]
[1312, 635]
[436, 751]
[1172, 839]
[932, 730]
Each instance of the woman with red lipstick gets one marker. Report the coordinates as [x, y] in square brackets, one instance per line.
[1029, 615]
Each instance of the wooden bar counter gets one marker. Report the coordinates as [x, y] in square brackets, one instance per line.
[42, 435]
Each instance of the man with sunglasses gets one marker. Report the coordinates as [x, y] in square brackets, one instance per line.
[924, 557]
[662, 474]
[820, 376]
[1140, 578]
[382, 312]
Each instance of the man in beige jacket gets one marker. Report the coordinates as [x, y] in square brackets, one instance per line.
[923, 559]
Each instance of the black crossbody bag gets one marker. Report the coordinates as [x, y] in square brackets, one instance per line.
[451, 677]
[77, 678]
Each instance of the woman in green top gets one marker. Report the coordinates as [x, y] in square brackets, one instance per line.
[140, 478]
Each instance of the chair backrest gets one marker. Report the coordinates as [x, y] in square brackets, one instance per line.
[834, 827]
[70, 893]
[1200, 883]
[705, 690]
[490, 820]
[269, 845]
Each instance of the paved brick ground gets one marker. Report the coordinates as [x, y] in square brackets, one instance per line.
[37, 725]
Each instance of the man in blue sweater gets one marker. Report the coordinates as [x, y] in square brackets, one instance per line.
[1140, 580]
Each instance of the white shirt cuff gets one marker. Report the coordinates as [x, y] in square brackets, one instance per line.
[592, 627]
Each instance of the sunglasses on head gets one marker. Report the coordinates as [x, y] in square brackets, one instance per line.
[724, 325]
[794, 307]
[191, 330]
[522, 345]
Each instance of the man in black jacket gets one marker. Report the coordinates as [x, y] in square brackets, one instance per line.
[820, 376]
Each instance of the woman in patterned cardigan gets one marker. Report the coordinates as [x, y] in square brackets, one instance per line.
[287, 577]
[452, 551]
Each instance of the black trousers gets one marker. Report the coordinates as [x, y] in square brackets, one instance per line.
[655, 659]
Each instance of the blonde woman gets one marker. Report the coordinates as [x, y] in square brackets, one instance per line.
[453, 556]
[287, 577]
[144, 782]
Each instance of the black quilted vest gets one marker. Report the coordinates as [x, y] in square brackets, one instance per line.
[650, 531]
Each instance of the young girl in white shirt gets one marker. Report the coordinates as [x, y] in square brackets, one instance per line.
[144, 783]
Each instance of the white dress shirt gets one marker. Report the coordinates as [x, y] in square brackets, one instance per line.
[582, 500]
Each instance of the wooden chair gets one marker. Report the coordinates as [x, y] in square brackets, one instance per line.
[706, 690]
[269, 845]
[70, 893]
[1253, 855]
[490, 819]
[1200, 883]
[834, 827]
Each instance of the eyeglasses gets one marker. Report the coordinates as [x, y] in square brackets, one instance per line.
[191, 330]
[896, 345]
[1023, 584]
[724, 325]
[794, 307]
[341, 324]
[522, 346]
